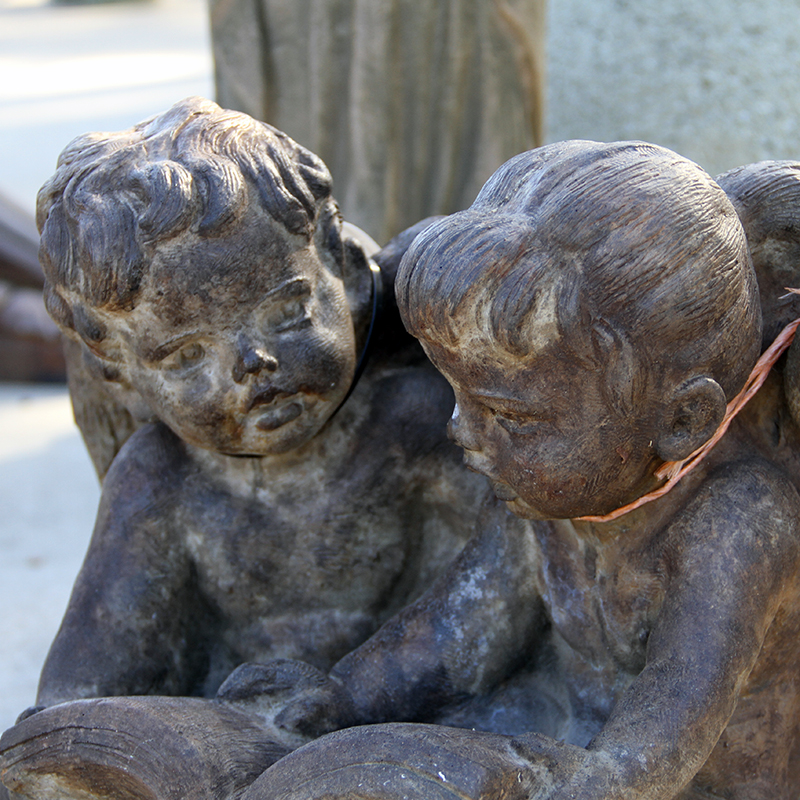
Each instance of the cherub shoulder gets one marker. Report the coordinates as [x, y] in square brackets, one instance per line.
[147, 471]
[746, 515]
[411, 404]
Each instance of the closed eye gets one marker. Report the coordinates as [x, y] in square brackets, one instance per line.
[184, 358]
[521, 424]
[291, 314]
[515, 421]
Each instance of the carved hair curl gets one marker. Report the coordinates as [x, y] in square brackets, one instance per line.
[637, 254]
[116, 196]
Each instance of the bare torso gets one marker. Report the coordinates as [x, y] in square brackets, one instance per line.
[202, 561]
[710, 593]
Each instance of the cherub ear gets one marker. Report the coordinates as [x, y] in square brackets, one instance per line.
[691, 415]
[359, 281]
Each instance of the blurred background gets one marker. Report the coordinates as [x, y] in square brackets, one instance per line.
[715, 81]
[64, 70]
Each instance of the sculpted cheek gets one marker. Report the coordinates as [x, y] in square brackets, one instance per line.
[545, 476]
[200, 390]
[200, 413]
[319, 365]
[215, 414]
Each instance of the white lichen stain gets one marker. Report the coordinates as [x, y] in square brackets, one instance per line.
[472, 590]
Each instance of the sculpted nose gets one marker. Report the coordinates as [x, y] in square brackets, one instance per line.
[251, 359]
[460, 431]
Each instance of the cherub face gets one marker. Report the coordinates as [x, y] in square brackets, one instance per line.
[542, 431]
[239, 343]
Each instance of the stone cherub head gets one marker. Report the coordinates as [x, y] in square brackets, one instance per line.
[593, 309]
[175, 250]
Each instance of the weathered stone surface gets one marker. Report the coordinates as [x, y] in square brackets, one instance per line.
[276, 494]
[594, 311]
[412, 105]
[136, 748]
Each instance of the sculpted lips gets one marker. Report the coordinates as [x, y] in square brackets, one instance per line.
[263, 397]
[275, 416]
[275, 407]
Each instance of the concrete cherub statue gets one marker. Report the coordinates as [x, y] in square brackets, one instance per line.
[766, 197]
[594, 311]
[268, 507]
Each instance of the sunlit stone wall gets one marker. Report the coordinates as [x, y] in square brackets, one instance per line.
[718, 81]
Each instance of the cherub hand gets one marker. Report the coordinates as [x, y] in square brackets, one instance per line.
[298, 700]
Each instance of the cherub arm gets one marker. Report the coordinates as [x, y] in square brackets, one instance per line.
[475, 625]
[732, 561]
[125, 627]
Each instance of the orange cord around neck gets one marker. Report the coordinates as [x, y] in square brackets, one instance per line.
[673, 471]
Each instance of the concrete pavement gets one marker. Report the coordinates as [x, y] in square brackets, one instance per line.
[48, 500]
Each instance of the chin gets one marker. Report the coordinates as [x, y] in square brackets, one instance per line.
[521, 509]
[276, 447]
[282, 441]
[514, 503]
[257, 446]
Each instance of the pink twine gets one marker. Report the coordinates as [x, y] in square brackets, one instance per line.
[673, 471]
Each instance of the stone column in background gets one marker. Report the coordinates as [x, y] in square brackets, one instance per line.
[412, 104]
